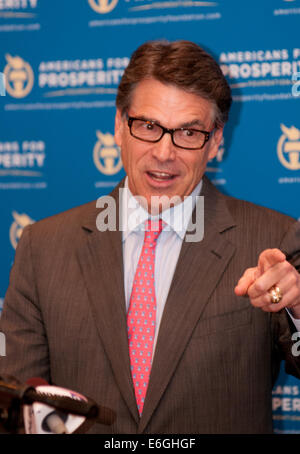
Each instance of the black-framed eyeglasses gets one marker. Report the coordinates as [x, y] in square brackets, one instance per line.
[150, 131]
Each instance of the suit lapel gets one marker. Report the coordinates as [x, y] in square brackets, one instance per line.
[100, 258]
[199, 268]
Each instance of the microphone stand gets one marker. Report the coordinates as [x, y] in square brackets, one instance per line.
[14, 394]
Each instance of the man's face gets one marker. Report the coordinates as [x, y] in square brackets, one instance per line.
[162, 169]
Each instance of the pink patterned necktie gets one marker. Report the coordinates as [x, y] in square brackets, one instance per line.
[141, 316]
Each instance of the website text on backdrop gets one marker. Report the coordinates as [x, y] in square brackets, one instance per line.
[175, 336]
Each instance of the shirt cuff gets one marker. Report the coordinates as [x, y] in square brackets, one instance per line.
[296, 321]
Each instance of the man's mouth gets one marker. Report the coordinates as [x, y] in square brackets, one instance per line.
[161, 176]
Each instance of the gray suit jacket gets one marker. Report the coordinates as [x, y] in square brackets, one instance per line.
[216, 358]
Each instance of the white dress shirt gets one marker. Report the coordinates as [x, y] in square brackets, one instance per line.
[167, 248]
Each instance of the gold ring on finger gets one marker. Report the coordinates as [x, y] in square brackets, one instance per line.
[276, 294]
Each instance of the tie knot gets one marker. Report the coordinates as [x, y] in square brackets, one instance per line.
[153, 229]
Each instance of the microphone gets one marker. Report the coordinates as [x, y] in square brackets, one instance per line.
[42, 419]
[62, 409]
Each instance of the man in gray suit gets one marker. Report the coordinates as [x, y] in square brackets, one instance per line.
[225, 307]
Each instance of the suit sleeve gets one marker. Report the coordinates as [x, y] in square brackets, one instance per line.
[21, 320]
[282, 325]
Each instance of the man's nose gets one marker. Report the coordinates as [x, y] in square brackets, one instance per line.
[164, 150]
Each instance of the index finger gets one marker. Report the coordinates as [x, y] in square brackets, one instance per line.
[269, 258]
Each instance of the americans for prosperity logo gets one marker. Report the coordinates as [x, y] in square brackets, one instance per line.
[288, 147]
[18, 9]
[55, 79]
[19, 76]
[22, 164]
[132, 12]
[81, 76]
[106, 154]
[261, 74]
[286, 8]
[215, 166]
[22, 158]
[103, 6]
[15, 6]
[17, 227]
[19, 15]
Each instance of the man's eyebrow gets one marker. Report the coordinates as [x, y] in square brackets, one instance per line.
[188, 124]
[142, 117]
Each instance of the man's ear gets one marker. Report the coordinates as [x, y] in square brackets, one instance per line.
[119, 126]
[215, 142]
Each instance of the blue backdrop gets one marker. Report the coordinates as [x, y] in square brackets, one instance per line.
[62, 61]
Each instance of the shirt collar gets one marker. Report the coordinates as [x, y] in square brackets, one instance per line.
[176, 218]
